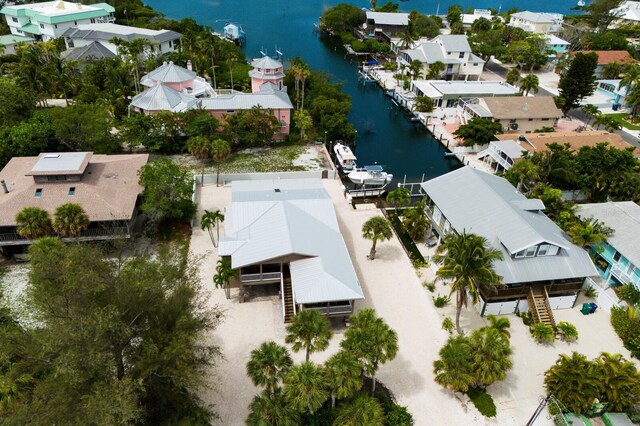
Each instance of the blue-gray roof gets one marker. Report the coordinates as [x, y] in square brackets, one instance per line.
[454, 42]
[490, 206]
[296, 220]
[93, 50]
[163, 98]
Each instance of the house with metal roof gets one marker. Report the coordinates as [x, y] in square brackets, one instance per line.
[106, 186]
[387, 23]
[9, 42]
[516, 114]
[49, 20]
[447, 94]
[540, 265]
[618, 258]
[171, 87]
[537, 22]
[92, 51]
[161, 42]
[285, 233]
[453, 50]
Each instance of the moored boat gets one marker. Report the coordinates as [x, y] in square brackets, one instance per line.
[370, 175]
[235, 33]
[345, 159]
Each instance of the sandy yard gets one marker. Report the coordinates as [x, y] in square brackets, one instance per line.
[392, 287]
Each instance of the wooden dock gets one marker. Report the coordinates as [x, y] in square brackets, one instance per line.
[350, 51]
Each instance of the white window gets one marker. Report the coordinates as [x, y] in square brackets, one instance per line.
[42, 26]
[531, 251]
[436, 214]
[543, 249]
[447, 227]
[93, 21]
[520, 254]
[553, 250]
[14, 19]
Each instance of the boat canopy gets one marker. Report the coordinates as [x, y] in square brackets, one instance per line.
[373, 168]
[347, 156]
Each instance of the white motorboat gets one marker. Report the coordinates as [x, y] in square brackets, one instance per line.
[581, 3]
[370, 175]
[344, 157]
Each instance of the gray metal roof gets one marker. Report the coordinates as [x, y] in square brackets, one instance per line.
[511, 148]
[170, 73]
[106, 32]
[430, 52]
[266, 63]
[454, 42]
[624, 218]
[490, 206]
[299, 219]
[163, 98]
[538, 17]
[267, 97]
[389, 18]
[61, 162]
[93, 50]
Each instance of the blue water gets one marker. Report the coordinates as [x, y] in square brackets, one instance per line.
[385, 134]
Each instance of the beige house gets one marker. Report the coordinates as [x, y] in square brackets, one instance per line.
[106, 186]
[516, 114]
[537, 22]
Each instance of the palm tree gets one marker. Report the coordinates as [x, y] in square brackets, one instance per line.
[271, 408]
[513, 76]
[454, 368]
[415, 223]
[590, 111]
[33, 223]
[588, 232]
[231, 60]
[376, 229]
[620, 381]
[609, 123]
[529, 83]
[435, 69]
[200, 148]
[406, 39]
[220, 151]
[630, 78]
[306, 387]
[526, 172]
[468, 262]
[309, 330]
[501, 324]
[344, 375]
[572, 381]
[268, 366]
[210, 220]
[490, 355]
[302, 72]
[206, 44]
[415, 69]
[70, 219]
[612, 70]
[363, 410]
[224, 275]
[399, 197]
[371, 341]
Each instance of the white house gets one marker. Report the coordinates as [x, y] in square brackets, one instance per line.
[537, 22]
[161, 41]
[48, 20]
[469, 18]
[452, 50]
[446, 94]
[9, 42]
[627, 13]
[388, 23]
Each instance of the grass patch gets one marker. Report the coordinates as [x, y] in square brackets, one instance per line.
[406, 240]
[483, 401]
[620, 118]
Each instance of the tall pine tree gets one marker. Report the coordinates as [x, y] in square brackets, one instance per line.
[578, 82]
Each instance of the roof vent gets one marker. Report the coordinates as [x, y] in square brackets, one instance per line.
[277, 190]
[52, 156]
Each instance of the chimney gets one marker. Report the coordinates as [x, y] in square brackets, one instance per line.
[4, 187]
[189, 65]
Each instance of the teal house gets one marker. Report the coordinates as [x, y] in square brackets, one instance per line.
[618, 258]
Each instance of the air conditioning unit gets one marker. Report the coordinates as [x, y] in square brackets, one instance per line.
[513, 126]
[505, 129]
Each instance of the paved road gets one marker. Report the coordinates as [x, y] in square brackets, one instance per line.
[496, 68]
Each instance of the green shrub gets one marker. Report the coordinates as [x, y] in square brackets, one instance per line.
[590, 292]
[569, 331]
[527, 319]
[323, 417]
[441, 300]
[397, 415]
[431, 286]
[358, 46]
[448, 325]
[628, 329]
[543, 333]
[483, 401]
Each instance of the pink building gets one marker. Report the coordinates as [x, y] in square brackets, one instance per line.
[177, 89]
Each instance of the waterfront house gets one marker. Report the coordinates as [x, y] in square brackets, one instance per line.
[541, 269]
[605, 57]
[161, 42]
[106, 186]
[627, 13]
[446, 94]
[285, 233]
[469, 18]
[556, 45]
[509, 149]
[453, 50]
[49, 20]
[177, 89]
[537, 22]
[9, 42]
[516, 114]
[387, 23]
[618, 258]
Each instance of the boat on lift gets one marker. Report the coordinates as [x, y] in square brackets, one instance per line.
[370, 175]
[345, 160]
[235, 33]
[581, 3]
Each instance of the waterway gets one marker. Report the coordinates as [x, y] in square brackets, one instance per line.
[385, 133]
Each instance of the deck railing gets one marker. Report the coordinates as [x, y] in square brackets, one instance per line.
[621, 275]
[115, 232]
[256, 278]
[333, 310]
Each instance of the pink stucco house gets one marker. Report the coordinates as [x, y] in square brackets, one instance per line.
[177, 89]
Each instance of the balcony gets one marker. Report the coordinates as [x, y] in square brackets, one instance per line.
[260, 278]
[335, 310]
[14, 239]
[621, 275]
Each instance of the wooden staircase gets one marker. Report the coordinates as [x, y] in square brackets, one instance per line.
[288, 301]
[539, 307]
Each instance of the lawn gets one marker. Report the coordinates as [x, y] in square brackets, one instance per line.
[620, 118]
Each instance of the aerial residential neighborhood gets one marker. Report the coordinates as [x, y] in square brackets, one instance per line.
[301, 213]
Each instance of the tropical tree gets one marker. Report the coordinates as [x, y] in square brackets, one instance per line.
[212, 220]
[371, 341]
[568, 330]
[200, 148]
[468, 264]
[33, 223]
[513, 76]
[478, 131]
[310, 330]
[376, 229]
[303, 121]
[529, 83]
[590, 111]
[207, 44]
[224, 275]
[490, 356]
[609, 123]
[219, 151]
[573, 381]
[415, 223]
[620, 381]
[454, 368]
[399, 197]
[523, 174]
[578, 81]
[588, 232]
[423, 104]
[501, 324]
[344, 375]
[306, 387]
[363, 410]
[406, 39]
[271, 408]
[612, 70]
[70, 219]
[268, 366]
[435, 69]
[415, 68]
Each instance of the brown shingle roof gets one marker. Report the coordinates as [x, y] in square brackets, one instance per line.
[107, 191]
[576, 139]
[518, 107]
[607, 56]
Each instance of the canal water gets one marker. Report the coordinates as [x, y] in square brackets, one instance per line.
[386, 134]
